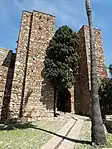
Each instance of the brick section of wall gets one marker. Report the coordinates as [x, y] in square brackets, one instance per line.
[20, 64]
[5, 75]
[84, 72]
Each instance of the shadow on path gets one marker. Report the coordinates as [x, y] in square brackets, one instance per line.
[18, 125]
[64, 137]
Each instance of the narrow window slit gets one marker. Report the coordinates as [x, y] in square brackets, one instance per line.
[40, 17]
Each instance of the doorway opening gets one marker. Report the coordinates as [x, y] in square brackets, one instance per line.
[64, 100]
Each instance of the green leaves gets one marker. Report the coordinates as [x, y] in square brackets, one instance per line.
[61, 61]
[105, 92]
[110, 70]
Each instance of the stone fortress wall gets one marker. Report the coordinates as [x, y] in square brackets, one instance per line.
[29, 93]
[84, 65]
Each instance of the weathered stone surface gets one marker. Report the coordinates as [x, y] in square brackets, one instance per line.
[21, 57]
[6, 76]
[84, 66]
[3, 74]
[36, 31]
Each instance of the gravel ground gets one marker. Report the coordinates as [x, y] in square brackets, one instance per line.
[30, 135]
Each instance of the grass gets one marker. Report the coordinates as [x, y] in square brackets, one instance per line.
[109, 140]
[35, 135]
[85, 135]
[28, 135]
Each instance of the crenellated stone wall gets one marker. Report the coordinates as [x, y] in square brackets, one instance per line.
[84, 65]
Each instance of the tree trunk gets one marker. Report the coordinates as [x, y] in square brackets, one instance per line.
[97, 129]
[55, 101]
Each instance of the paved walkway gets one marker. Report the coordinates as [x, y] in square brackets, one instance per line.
[66, 137]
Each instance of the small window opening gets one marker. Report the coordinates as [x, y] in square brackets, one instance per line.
[40, 17]
[40, 28]
[47, 19]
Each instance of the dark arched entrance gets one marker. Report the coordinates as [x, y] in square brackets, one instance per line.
[64, 100]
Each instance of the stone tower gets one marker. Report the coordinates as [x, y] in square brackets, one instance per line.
[84, 66]
[27, 97]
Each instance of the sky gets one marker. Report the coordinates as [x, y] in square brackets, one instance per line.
[67, 12]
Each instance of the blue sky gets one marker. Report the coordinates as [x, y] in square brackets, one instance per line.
[67, 12]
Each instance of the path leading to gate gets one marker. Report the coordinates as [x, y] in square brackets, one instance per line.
[68, 135]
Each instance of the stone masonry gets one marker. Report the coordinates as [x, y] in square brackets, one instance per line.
[3, 72]
[84, 65]
[7, 60]
[24, 90]
[31, 93]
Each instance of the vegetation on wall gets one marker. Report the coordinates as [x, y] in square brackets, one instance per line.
[105, 94]
[110, 70]
[61, 61]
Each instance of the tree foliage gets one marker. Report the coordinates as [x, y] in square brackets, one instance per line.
[110, 70]
[105, 94]
[61, 61]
